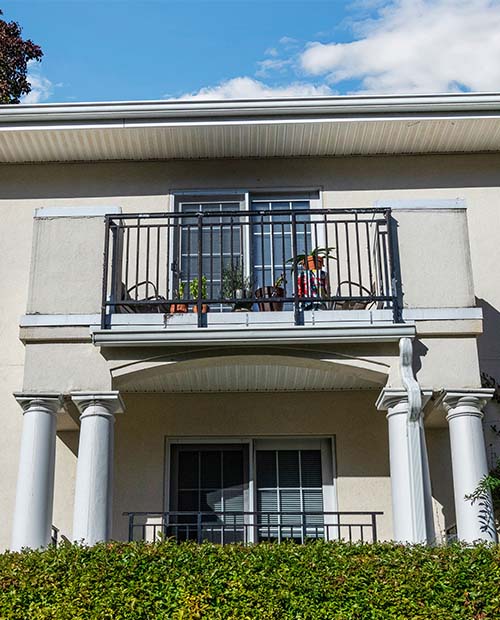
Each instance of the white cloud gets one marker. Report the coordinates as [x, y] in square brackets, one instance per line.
[416, 46]
[41, 87]
[272, 64]
[249, 88]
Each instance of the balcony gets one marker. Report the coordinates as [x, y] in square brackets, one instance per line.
[196, 265]
[253, 527]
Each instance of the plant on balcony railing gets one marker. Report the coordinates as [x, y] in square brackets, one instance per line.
[271, 293]
[179, 294]
[237, 286]
[195, 288]
[313, 260]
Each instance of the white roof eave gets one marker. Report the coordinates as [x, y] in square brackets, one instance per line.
[419, 114]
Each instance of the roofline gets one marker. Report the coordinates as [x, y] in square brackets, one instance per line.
[287, 108]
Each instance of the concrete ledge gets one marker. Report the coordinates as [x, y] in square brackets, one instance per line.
[244, 319]
[90, 211]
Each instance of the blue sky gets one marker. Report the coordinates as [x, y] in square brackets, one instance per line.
[153, 49]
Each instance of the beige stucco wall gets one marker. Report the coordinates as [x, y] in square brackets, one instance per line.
[348, 182]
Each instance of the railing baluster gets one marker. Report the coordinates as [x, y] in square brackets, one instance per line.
[131, 526]
[296, 301]
[374, 527]
[199, 534]
[137, 257]
[200, 270]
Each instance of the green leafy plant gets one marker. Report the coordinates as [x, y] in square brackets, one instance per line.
[193, 287]
[179, 294]
[267, 581]
[280, 281]
[489, 486]
[233, 279]
[317, 255]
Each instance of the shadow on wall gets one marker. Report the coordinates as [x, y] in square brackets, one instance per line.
[70, 440]
[158, 178]
[488, 343]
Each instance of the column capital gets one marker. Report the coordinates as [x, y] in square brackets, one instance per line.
[110, 401]
[390, 398]
[464, 402]
[40, 400]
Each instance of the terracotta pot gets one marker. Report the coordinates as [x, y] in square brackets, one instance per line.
[204, 308]
[314, 262]
[270, 291]
[178, 308]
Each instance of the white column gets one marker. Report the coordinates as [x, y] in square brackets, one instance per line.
[35, 482]
[475, 521]
[412, 522]
[94, 474]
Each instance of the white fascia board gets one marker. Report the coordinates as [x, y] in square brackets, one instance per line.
[227, 336]
[77, 211]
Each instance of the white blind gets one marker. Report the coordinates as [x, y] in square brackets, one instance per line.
[289, 481]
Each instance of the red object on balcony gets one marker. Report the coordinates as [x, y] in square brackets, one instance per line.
[312, 283]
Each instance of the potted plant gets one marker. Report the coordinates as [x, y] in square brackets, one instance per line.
[236, 286]
[194, 289]
[314, 260]
[179, 294]
[312, 280]
[277, 291]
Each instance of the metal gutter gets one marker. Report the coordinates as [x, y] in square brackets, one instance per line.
[128, 113]
[225, 336]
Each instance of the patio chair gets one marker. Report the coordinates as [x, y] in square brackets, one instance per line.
[352, 289]
[158, 302]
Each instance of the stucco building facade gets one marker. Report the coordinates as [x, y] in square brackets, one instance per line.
[356, 402]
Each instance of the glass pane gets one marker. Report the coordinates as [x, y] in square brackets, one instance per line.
[267, 501]
[210, 469]
[266, 468]
[188, 470]
[234, 500]
[313, 502]
[232, 468]
[188, 500]
[288, 461]
[290, 502]
[211, 500]
[311, 468]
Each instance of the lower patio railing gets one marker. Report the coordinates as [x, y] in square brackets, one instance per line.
[252, 527]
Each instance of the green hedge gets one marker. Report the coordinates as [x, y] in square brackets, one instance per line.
[268, 581]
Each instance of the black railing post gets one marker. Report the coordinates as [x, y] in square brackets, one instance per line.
[374, 526]
[298, 314]
[130, 526]
[105, 273]
[199, 304]
[199, 536]
[396, 309]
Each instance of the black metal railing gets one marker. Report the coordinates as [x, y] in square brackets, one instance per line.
[252, 527]
[54, 536]
[299, 259]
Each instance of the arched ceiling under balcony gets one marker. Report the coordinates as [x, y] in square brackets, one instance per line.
[249, 373]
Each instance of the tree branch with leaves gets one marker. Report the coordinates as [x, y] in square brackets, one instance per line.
[15, 54]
